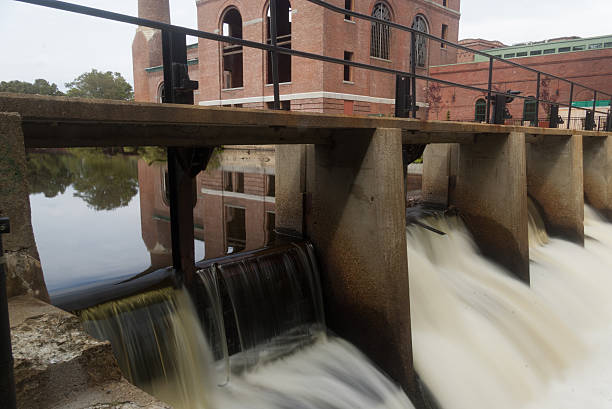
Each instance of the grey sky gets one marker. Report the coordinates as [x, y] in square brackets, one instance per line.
[37, 42]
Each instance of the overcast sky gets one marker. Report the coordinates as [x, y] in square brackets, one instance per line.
[37, 42]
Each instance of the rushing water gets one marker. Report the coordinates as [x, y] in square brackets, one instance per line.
[482, 339]
[268, 349]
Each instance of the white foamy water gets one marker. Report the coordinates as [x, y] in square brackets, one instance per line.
[484, 340]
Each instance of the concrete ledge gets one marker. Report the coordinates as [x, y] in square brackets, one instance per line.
[57, 365]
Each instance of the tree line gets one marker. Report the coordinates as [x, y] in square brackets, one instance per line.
[93, 84]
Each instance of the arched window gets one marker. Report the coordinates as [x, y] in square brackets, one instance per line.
[161, 93]
[420, 24]
[231, 26]
[283, 39]
[529, 111]
[481, 111]
[380, 36]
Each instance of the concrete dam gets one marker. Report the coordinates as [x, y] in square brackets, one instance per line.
[491, 292]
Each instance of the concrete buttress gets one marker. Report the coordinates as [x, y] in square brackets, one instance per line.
[554, 181]
[356, 220]
[491, 194]
[598, 173]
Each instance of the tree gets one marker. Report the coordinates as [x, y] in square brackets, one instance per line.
[433, 97]
[102, 85]
[40, 87]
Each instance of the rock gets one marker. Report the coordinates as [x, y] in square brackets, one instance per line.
[58, 365]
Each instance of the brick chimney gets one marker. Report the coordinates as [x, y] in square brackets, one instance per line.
[147, 47]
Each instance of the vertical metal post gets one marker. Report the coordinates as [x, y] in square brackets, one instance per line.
[7, 378]
[273, 39]
[489, 90]
[179, 90]
[413, 63]
[537, 110]
[571, 101]
[594, 108]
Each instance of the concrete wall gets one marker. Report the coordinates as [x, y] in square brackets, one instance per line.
[24, 272]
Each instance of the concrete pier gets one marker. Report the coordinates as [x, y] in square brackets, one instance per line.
[597, 152]
[357, 223]
[24, 272]
[554, 181]
[491, 193]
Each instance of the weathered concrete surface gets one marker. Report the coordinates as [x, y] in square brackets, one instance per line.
[436, 171]
[491, 194]
[290, 187]
[357, 223]
[57, 365]
[554, 181]
[24, 272]
[597, 153]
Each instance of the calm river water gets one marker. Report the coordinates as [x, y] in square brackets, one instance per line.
[100, 216]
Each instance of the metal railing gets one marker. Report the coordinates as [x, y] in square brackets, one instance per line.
[406, 80]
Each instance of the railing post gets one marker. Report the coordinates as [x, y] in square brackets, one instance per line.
[489, 90]
[413, 94]
[553, 117]
[274, 41]
[537, 111]
[571, 101]
[183, 163]
[7, 378]
[402, 97]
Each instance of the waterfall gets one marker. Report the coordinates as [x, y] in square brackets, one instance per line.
[483, 339]
[254, 337]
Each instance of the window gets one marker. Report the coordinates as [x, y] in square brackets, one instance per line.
[283, 39]
[536, 52]
[529, 111]
[161, 93]
[608, 45]
[348, 56]
[235, 229]
[231, 26]
[380, 34]
[271, 185]
[481, 111]
[420, 24]
[444, 3]
[578, 48]
[270, 225]
[550, 51]
[284, 105]
[522, 54]
[444, 35]
[595, 46]
[348, 5]
[564, 49]
[511, 55]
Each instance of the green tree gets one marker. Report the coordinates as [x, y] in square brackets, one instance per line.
[102, 85]
[40, 87]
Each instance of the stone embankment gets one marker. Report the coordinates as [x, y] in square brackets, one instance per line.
[58, 365]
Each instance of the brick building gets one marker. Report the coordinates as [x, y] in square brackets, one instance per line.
[587, 61]
[240, 77]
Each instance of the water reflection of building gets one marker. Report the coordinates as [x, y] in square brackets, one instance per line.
[234, 210]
